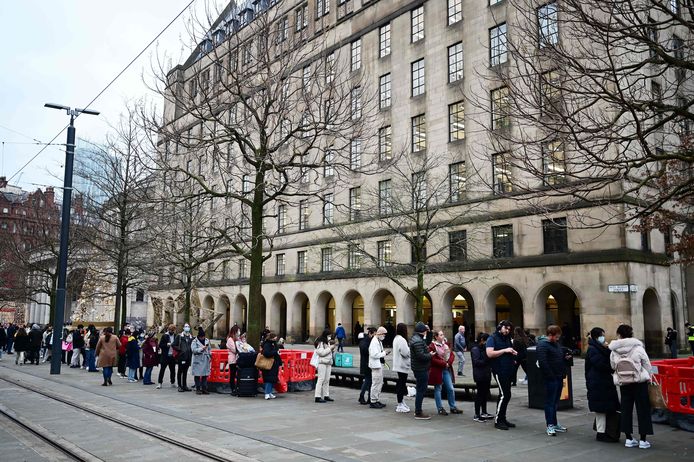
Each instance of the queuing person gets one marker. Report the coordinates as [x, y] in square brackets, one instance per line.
[242, 344]
[77, 346]
[632, 373]
[671, 342]
[401, 365]
[340, 335]
[521, 342]
[688, 329]
[166, 357]
[21, 346]
[325, 349]
[107, 351]
[552, 362]
[376, 360]
[132, 356]
[441, 373]
[602, 393]
[47, 344]
[270, 350]
[3, 340]
[482, 375]
[11, 331]
[35, 339]
[358, 329]
[420, 361]
[123, 339]
[90, 341]
[66, 346]
[149, 357]
[459, 346]
[183, 355]
[364, 369]
[232, 357]
[502, 356]
[202, 359]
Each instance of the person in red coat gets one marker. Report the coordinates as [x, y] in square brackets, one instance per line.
[123, 338]
[441, 372]
[149, 357]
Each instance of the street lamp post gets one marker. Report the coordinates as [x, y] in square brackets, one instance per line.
[59, 314]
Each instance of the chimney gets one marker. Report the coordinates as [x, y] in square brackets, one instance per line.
[3, 182]
[50, 196]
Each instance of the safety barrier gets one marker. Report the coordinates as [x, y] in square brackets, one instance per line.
[676, 379]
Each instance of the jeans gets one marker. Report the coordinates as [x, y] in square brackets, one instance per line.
[461, 361]
[148, 375]
[200, 382]
[131, 373]
[171, 364]
[366, 386]
[481, 397]
[553, 387]
[504, 384]
[401, 386]
[107, 371]
[75, 361]
[673, 350]
[268, 388]
[450, 393]
[340, 345]
[91, 360]
[422, 378]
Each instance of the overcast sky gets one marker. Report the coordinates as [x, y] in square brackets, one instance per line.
[65, 52]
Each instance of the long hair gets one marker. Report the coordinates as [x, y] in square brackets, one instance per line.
[323, 338]
[233, 332]
[401, 330]
[519, 334]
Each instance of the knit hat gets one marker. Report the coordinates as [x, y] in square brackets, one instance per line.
[201, 332]
[381, 330]
[421, 327]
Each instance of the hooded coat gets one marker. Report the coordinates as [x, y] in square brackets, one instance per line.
[602, 394]
[202, 357]
[633, 348]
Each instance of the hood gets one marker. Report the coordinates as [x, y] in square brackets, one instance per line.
[625, 345]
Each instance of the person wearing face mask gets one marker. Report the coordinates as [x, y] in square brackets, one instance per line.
[132, 354]
[269, 350]
[149, 357]
[202, 359]
[502, 357]
[552, 361]
[324, 349]
[364, 370]
[166, 358]
[184, 354]
[602, 392]
[376, 359]
[441, 372]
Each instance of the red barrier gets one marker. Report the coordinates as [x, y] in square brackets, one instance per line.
[219, 372]
[293, 368]
[676, 379]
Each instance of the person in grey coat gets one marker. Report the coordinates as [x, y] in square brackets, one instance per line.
[202, 357]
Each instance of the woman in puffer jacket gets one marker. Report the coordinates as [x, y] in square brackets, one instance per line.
[632, 374]
[324, 349]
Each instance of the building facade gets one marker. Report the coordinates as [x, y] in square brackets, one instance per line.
[424, 64]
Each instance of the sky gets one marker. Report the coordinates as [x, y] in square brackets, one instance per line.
[66, 52]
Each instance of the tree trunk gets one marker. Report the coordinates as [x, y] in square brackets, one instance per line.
[419, 303]
[117, 309]
[124, 304]
[255, 286]
[186, 303]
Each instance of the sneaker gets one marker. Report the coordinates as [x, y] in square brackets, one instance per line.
[479, 419]
[486, 416]
[273, 396]
[362, 401]
[442, 411]
[509, 424]
[401, 408]
[328, 399]
[377, 405]
[631, 443]
[132, 381]
[405, 406]
[421, 416]
[159, 386]
[267, 396]
[455, 410]
[560, 428]
[460, 374]
[317, 400]
[644, 445]
[501, 426]
[181, 389]
[198, 392]
[551, 431]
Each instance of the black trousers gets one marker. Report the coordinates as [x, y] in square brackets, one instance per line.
[169, 362]
[636, 394]
[232, 377]
[401, 386]
[504, 383]
[182, 377]
[366, 386]
[121, 364]
[482, 396]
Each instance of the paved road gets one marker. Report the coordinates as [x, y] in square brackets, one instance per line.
[293, 427]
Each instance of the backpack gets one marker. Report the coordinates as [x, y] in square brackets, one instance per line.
[626, 370]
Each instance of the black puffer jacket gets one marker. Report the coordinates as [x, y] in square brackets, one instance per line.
[551, 359]
[602, 393]
[481, 369]
[270, 350]
[420, 358]
[364, 343]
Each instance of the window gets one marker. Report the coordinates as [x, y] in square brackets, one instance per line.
[502, 174]
[301, 15]
[653, 38]
[385, 144]
[384, 40]
[355, 48]
[497, 45]
[326, 261]
[678, 53]
[455, 11]
[301, 262]
[456, 121]
[675, 6]
[330, 67]
[282, 219]
[553, 163]
[547, 26]
[140, 295]
[383, 253]
[355, 154]
[550, 89]
[356, 102]
[328, 204]
[456, 181]
[385, 206]
[246, 184]
[303, 214]
[667, 240]
[645, 240]
[457, 245]
[417, 24]
[554, 236]
[282, 29]
[306, 78]
[328, 159]
[225, 270]
[303, 171]
[455, 62]
[419, 190]
[242, 269]
[322, 8]
[247, 53]
[354, 203]
[384, 91]
[501, 110]
[279, 264]
[353, 256]
[417, 73]
[502, 241]
[193, 88]
[419, 133]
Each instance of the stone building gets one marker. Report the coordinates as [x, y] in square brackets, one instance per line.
[496, 258]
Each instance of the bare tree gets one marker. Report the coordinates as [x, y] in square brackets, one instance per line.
[252, 114]
[592, 105]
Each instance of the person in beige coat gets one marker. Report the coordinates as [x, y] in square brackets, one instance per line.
[107, 352]
[325, 349]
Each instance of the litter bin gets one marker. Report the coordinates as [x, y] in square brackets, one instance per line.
[536, 384]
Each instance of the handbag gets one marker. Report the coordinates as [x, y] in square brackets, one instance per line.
[655, 396]
[263, 363]
[314, 359]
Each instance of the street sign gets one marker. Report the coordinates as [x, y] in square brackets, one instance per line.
[622, 288]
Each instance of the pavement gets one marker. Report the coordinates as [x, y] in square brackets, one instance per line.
[293, 427]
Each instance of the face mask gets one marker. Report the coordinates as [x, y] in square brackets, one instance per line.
[601, 339]
[381, 337]
[186, 329]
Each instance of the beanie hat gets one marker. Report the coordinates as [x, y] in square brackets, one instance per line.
[201, 332]
[421, 327]
[381, 330]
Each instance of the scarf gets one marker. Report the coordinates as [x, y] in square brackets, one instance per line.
[442, 350]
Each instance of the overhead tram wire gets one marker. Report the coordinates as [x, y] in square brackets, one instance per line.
[132, 61]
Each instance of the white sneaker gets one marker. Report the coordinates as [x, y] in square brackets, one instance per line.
[524, 382]
[159, 386]
[405, 406]
[400, 408]
[273, 396]
[644, 445]
[631, 443]
[267, 396]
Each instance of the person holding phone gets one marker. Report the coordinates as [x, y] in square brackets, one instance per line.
[376, 359]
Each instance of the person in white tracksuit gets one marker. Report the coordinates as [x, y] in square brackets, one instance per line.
[324, 349]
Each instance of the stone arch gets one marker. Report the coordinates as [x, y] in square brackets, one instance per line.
[407, 313]
[221, 328]
[324, 314]
[277, 319]
[382, 304]
[504, 302]
[459, 304]
[299, 318]
[561, 306]
[352, 311]
[239, 314]
[652, 323]
[205, 316]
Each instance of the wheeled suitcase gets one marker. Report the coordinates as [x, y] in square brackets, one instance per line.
[246, 360]
[247, 381]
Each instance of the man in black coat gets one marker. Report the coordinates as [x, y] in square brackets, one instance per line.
[552, 361]
[77, 346]
[166, 358]
[420, 361]
[11, 330]
[364, 369]
[35, 340]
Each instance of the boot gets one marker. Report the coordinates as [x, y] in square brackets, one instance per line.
[109, 381]
[105, 384]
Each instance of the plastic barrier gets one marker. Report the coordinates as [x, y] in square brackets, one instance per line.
[219, 372]
[676, 379]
